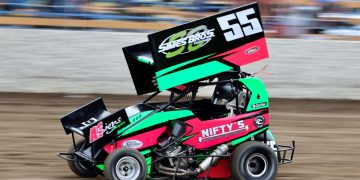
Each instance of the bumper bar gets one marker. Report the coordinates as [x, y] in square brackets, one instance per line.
[283, 153]
[76, 156]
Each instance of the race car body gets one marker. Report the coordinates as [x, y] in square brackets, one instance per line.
[225, 136]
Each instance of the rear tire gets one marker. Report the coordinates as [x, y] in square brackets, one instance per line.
[253, 161]
[80, 168]
[125, 164]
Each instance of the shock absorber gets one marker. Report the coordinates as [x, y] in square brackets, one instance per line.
[219, 151]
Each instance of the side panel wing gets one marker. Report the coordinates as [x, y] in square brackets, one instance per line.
[141, 66]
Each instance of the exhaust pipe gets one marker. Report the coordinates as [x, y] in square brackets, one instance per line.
[220, 150]
[203, 166]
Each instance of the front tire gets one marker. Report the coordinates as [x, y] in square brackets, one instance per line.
[253, 161]
[125, 164]
[80, 168]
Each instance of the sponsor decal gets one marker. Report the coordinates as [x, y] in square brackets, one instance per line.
[135, 144]
[238, 25]
[259, 121]
[97, 131]
[252, 50]
[186, 41]
[89, 122]
[223, 131]
[258, 105]
[109, 128]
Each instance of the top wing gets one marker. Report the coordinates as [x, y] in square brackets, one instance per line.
[208, 46]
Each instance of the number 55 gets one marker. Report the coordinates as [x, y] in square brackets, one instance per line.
[234, 31]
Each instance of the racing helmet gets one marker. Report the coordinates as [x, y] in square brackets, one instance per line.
[223, 94]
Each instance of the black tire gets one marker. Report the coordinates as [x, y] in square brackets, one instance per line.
[81, 168]
[133, 165]
[253, 161]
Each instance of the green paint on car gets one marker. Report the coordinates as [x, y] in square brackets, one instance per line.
[242, 139]
[154, 119]
[259, 96]
[148, 162]
[268, 132]
[174, 37]
[145, 152]
[101, 167]
[187, 137]
[191, 74]
[172, 68]
[139, 116]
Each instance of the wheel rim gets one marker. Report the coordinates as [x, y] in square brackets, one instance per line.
[256, 165]
[127, 168]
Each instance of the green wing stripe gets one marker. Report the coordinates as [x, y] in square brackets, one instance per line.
[191, 74]
[158, 118]
[169, 69]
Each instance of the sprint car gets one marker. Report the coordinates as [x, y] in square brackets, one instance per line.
[224, 136]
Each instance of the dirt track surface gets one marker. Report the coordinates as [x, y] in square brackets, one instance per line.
[326, 133]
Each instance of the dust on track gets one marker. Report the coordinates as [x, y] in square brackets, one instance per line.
[326, 133]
